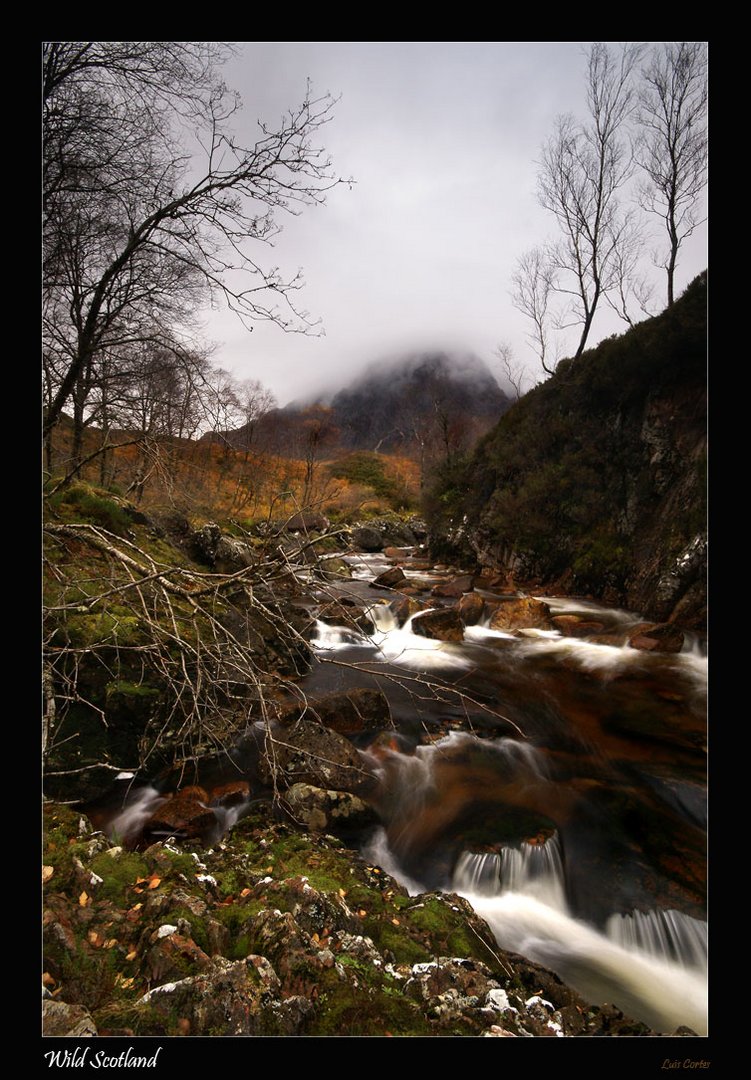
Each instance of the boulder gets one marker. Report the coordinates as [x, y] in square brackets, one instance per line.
[304, 751]
[396, 552]
[186, 814]
[233, 793]
[351, 712]
[403, 606]
[328, 811]
[660, 637]
[307, 521]
[232, 555]
[445, 625]
[390, 579]
[456, 587]
[337, 613]
[521, 613]
[471, 608]
[576, 626]
[170, 954]
[366, 538]
[204, 542]
[61, 1019]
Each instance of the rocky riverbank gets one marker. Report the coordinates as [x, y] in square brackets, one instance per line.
[276, 931]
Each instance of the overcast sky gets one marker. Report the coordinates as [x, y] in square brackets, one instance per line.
[441, 139]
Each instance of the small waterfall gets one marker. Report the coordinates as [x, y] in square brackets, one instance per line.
[383, 618]
[664, 935]
[331, 638]
[532, 869]
[128, 823]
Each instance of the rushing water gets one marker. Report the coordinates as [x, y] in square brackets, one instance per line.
[558, 783]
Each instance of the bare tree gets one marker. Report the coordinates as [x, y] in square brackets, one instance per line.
[143, 226]
[672, 150]
[582, 171]
[533, 283]
[513, 370]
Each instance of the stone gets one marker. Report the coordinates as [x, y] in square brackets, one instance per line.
[232, 555]
[304, 751]
[204, 542]
[576, 626]
[307, 521]
[403, 606]
[456, 587]
[521, 613]
[351, 712]
[396, 552]
[660, 637]
[328, 811]
[390, 579]
[171, 954]
[241, 997]
[71, 1021]
[444, 624]
[471, 608]
[185, 815]
[233, 793]
[366, 538]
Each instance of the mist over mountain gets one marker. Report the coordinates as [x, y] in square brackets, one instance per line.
[398, 405]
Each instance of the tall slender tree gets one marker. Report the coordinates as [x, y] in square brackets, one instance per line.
[672, 149]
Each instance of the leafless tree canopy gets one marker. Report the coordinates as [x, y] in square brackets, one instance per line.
[672, 150]
[154, 209]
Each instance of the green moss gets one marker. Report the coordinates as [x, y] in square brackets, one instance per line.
[119, 874]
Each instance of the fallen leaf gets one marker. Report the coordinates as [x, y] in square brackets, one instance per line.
[396, 922]
[122, 981]
[316, 938]
[268, 869]
[342, 892]
[184, 1026]
[362, 913]
[137, 907]
[136, 889]
[47, 872]
[47, 979]
[131, 955]
[246, 892]
[110, 943]
[155, 882]
[83, 899]
[94, 938]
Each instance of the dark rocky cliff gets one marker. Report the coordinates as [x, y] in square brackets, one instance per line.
[595, 481]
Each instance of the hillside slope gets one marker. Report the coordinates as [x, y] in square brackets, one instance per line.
[595, 481]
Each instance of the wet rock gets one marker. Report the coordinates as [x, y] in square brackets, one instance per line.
[304, 751]
[232, 794]
[232, 555]
[366, 538]
[186, 815]
[576, 626]
[522, 612]
[660, 637]
[445, 625]
[471, 608]
[337, 613]
[456, 587]
[390, 579]
[61, 1019]
[241, 997]
[307, 521]
[351, 712]
[403, 607]
[328, 811]
[396, 552]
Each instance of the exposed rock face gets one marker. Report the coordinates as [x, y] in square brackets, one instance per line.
[350, 712]
[73, 1021]
[471, 608]
[599, 475]
[445, 625]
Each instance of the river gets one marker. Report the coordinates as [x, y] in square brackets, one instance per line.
[558, 783]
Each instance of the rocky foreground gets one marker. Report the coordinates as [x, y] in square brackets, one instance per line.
[275, 931]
